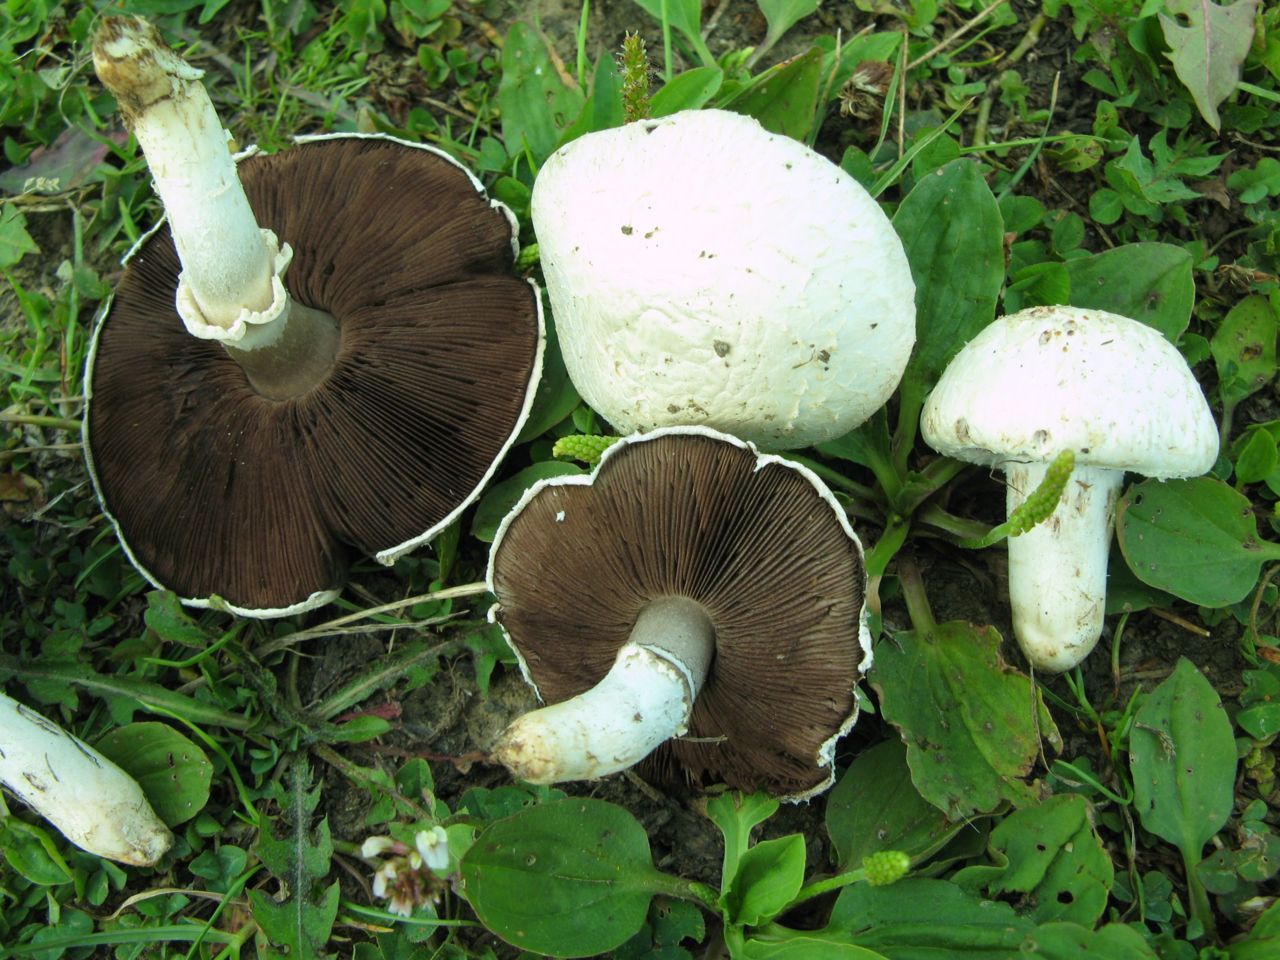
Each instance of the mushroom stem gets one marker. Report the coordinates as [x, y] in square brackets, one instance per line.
[644, 700]
[95, 804]
[231, 286]
[1058, 569]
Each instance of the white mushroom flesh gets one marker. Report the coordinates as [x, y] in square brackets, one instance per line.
[230, 281]
[95, 804]
[644, 700]
[705, 271]
[1110, 389]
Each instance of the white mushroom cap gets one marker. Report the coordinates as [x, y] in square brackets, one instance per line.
[1049, 379]
[705, 271]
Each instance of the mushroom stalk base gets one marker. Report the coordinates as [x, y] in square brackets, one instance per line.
[644, 700]
[95, 804]
[1058, 569]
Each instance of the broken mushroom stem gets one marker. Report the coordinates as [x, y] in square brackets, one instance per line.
[1058, 569]
[644, 700]
[231, 288]
[95, 804]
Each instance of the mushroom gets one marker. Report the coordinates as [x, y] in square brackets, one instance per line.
[1109, 389]
[357, 403]
[689, 585]
[95, 804]
[704, 270]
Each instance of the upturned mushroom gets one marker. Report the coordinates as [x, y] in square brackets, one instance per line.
[1109, 389]
[95, 804]
[702, 270]
[250, 429]
[690, 588]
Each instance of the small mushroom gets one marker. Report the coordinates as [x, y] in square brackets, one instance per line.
[693, 588]
[95, 804]
[355, 404]
[703, 270]
[1109, 389]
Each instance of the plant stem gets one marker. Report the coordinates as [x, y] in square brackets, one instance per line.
[914, 594]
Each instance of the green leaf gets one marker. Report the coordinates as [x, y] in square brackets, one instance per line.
[134, 692]
[501, 497]
[951, 228]
[1150, 282]
[571, 878]
[1208, 54]
[686, 17]
[1196, 539]
[534, 102]
[1068, 941]
[171, 622]
[768, 877]
[32, 854]
[805, 947]
[299, 924]
[15, 242]
[555, 396]
[966, 717]
[1037, 285]
[1182, 756]
[922, 919]
[736, 814]
[1258, 457]
[1257, 183]
[173, 772]
[875, 807]
[783, 98]
[782, 15]
[1244, 349]
[1051, 855]
[686, 91]
[1263, 941]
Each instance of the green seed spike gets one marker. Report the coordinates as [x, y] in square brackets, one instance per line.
[635, 78]
[582, 447]
[1037, 508]
[885, 867]
[1044, 499]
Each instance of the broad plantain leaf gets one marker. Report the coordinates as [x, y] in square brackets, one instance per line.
[953, 234]
[923, 919]
[570, 878]
[1196, 539]
[1207, 55]
[1183, 758]
[783, 98]
[967, 717]
[1050, 854]
[875, 807]
[805, 947]
[1244, 349]
[1150, 282]
[173, 772]
[535, 103]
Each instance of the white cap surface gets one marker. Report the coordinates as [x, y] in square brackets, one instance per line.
[1049, 379]
[705, 271]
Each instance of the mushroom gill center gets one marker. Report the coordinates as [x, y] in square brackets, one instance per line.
[679, 630]
[296, 361]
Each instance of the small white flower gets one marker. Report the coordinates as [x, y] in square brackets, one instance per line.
[433, 847]
[375, 847]
[385, 878]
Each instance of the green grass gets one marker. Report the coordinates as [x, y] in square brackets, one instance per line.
[1060, 798]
